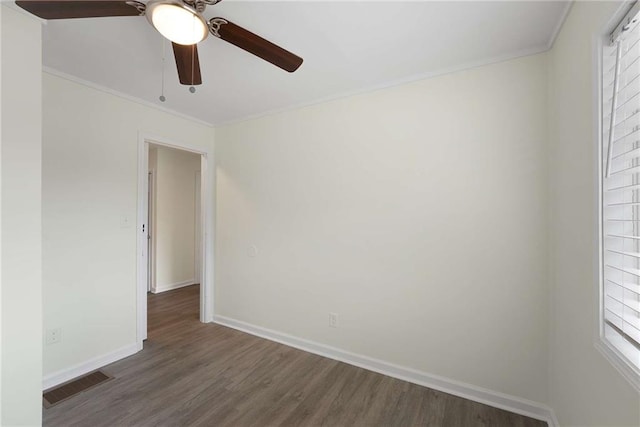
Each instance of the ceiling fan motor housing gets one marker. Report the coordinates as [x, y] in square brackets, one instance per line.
[200, 5]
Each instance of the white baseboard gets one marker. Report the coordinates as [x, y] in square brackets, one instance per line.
[164, 288]
[68, 374]
[477, 394]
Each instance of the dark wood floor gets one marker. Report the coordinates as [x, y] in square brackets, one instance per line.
[194, 374]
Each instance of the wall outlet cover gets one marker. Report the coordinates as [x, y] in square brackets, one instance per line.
[333, 320]
[252, 251]
[53, 336]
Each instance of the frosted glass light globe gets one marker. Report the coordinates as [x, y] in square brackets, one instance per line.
[177, 22]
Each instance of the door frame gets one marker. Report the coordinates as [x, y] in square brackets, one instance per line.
[151, 204]
[207, 213]
[198, 226]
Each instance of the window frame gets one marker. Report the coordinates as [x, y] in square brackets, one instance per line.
[620, 362]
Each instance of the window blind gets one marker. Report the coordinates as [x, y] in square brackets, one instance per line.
[621, 189]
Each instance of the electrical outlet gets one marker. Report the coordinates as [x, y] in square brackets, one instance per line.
[252, 251]
[333, 320]
[53, 336]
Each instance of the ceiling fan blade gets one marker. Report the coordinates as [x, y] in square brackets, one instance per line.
[188, 64]
[252, 43]
[61, 9]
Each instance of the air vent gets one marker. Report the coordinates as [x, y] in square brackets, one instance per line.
[56, 395]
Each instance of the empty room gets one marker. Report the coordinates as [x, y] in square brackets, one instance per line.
[304, 213]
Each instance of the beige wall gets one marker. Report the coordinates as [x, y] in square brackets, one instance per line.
[585, 388]
[417, 213]
[89, 171]
[175, 201]
[20, 213]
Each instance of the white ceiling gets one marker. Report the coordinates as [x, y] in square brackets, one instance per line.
[348, 47]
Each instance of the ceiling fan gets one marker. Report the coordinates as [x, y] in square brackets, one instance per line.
[180, 21]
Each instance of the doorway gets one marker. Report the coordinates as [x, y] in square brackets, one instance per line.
[172, 222]
[198, 267]
[151, 207]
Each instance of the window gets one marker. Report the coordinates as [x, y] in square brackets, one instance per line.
[620, 302]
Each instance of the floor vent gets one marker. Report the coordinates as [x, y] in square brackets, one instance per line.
[56, 395]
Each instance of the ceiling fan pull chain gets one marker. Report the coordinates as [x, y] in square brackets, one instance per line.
[162, 97]
[193, 66]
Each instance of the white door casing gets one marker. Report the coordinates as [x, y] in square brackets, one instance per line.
[206, 217]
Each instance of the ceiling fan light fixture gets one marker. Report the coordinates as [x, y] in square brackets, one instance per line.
[177, 21]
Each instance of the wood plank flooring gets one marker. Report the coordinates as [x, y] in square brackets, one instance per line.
[194, 374]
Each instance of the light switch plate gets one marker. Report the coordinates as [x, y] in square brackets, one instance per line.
[125, 221]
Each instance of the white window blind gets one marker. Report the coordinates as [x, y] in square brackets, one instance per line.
[621, 190]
